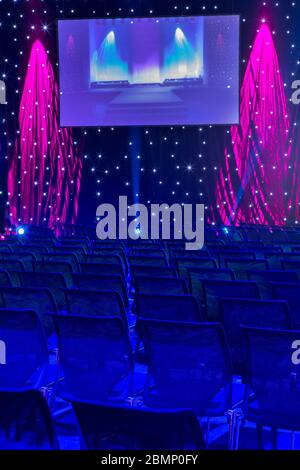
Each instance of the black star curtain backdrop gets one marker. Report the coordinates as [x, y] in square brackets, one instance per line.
[243, 174]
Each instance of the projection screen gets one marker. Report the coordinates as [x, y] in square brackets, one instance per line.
[149, 71]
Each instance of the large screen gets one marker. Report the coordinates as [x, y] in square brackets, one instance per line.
[149, 71]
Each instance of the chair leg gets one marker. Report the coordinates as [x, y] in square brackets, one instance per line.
[235, 417]
[293, 435]
[239, 421]
[274, 438]
[260, 437]
[207, 432]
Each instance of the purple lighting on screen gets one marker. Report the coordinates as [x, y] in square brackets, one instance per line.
[44, 168]
[253, 191]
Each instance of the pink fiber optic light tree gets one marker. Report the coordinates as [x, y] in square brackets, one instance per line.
[252, 184]
[44, 167]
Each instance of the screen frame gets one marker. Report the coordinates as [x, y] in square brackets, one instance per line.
[145, 126]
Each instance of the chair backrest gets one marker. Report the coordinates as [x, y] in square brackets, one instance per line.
[102, 269]
[96, 357]
[69, 244]
[275, 259]
[96, 282]
[273, 377]
[233, 289]
[5, 279]
[97, 303]
[12, 265]
[256, 313]
[156, 253]
[241, 266]
[153, 271]
[143, 245]
[52, 267]
[168, 307]
[291, 265]
[290, 293]
[107, 244]
[55, 282]
[62, 257]
[184, 264]
[111, 426]
[110, 251]
[25, 350]
[38, 300]
[189, 254]
[5, 248]
[109, 258]
[30, 249]
[148, 260]
[264, 279]
[238, 254]
[189, 364]
[160, 285]
[78, 253]
[197, 275]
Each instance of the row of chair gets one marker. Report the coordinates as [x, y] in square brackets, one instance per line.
[171, 294]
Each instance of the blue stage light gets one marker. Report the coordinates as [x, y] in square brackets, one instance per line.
[20, 231]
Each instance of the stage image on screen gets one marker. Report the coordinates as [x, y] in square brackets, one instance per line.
[149, 71]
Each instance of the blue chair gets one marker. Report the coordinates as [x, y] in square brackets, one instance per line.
[38, 300]
[197, 275]
[119, 251]
[96, 357]
[21, 377]
[12, 265]
[291, 265]
[153, 271]
[213, 290]
[102, 283]
[145, 253]
[168, 307]
[241, 266]
[148, 260]
[106, 427]
[36, 249]
[264, 279]
[102, 269]
[160, 285]
[182, 253]
[69, 244]
[256, 313]
[62, 257]
[97, 303]
[183, 265]
[5, 279]
[106, 258]
[290, 293]
[272, 397]
[275, 259]
[234, 255]
[189, 366]
[63, 267]
[26, 351]
[55, 282]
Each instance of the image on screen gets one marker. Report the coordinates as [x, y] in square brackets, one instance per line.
[149, 71]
